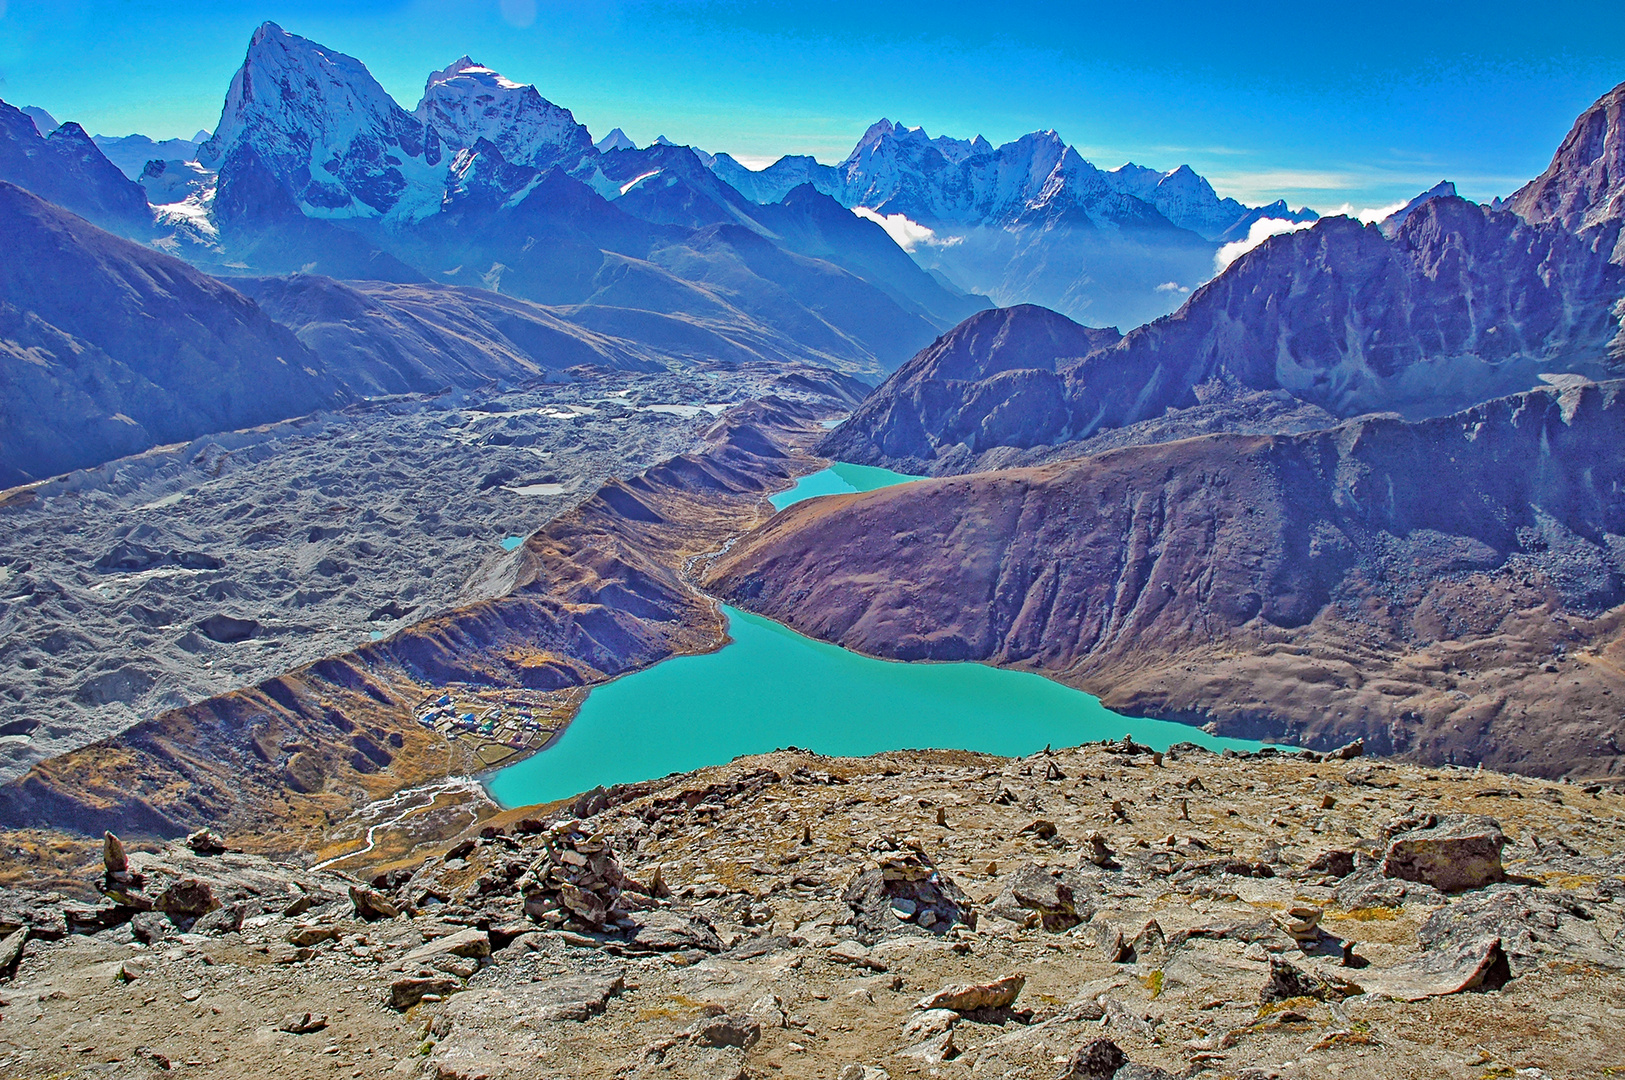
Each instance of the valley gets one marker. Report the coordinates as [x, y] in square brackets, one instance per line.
[481, 600]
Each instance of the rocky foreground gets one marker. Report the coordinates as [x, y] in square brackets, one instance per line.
[1093, 912]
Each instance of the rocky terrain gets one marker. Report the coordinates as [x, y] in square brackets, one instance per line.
[1584, 187]
[1460, 304]
[1448, 589]
[162, 580]
[597, 591]
[1095, 912]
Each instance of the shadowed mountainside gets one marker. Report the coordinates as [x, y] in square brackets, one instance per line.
[1448, 588]
[66, 168]
[1462, 304]
[110, 348]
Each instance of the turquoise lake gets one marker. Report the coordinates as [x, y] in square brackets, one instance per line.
[772, 687]
[839, 479]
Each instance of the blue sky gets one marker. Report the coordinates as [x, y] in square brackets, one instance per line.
[1325, 104]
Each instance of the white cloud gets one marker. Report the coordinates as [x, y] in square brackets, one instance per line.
[754, 162]
[908, 234]
[1172, 287]
[1371, 214]
[1260, 231]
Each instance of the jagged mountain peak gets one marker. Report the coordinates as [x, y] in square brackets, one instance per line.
[466, 65]
[327, 131]
[615, 140]
[467, 101]
[1584, 186]
[1443, 189]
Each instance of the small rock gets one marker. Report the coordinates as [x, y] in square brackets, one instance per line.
[1098, 1060]
[1113, 948]
[371, 905]
[929, 1024]
[934, 1051]
[968, 997]
[471, 944]
[1335, 863]
[204, 842]
[405, 993]
[855, 954]
[113, 856]
[740, 1031]
[1289, 981]
[1099, 853]
[1301, 923]
[305, 937]
[302, 1023]
[1041, 828]
[863, 1072]
[187, 898]
[11, 951]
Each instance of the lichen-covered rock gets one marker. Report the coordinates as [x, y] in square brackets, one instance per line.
[1452, 854]
[1058, 899]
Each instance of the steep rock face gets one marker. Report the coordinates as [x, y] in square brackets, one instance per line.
[107, 348]
[1583, 188]
[330, 135]
[466, 102]
[1461, 304]
[1373, 540]
[66, 168]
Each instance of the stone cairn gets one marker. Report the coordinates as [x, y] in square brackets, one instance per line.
[578, 883]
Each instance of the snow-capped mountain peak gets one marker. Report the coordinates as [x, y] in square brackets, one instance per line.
[615, 140]
[327, 131]
[467, 101]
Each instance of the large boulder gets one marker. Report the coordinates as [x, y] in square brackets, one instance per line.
[1452, 854]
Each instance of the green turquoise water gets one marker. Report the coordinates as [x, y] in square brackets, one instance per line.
[773, 687]
[509, 543]
[839, 479]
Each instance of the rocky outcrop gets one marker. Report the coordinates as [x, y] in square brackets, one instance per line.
[1452, 855]
[1583, 189]
[1230, 579]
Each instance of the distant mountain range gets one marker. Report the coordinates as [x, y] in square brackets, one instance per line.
[1031, 221]
[1444, 304]
[307, 133]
